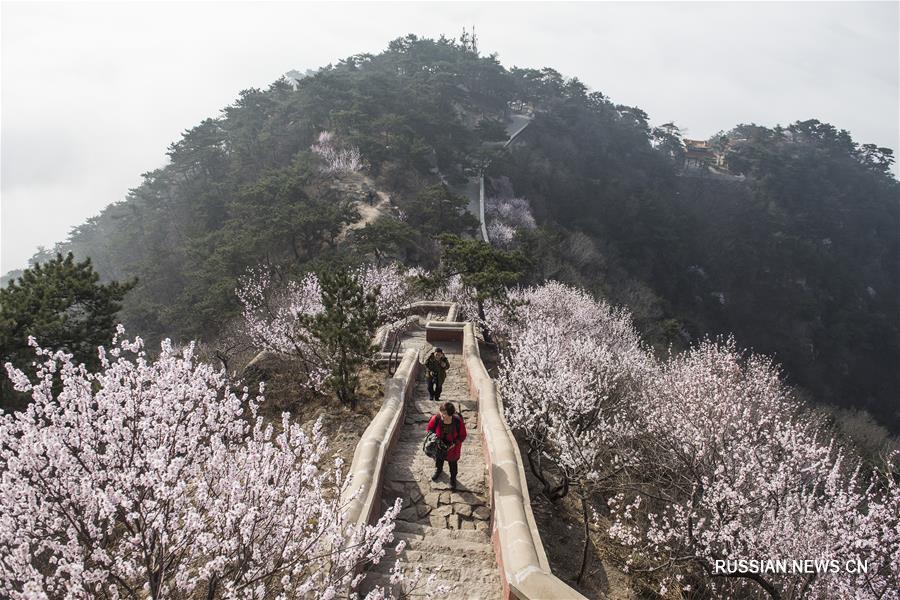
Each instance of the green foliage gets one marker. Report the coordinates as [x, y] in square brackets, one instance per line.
[388, 240]
[62, 304]
[799, 261]
[344, 330]
[806, 257]
[436, 210]
[485, 270]
[491, 130]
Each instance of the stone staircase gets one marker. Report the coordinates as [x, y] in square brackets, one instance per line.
[447, 532]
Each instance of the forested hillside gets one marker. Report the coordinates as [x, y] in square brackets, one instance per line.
[799, 259]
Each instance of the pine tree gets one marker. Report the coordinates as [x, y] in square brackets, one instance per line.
[485, 270]
[61, 303]
[344, 329]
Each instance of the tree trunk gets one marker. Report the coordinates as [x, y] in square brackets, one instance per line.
[587, 537]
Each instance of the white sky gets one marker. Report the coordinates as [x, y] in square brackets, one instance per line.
[93, 93]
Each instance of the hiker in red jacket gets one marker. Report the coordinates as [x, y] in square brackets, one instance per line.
[449, 427]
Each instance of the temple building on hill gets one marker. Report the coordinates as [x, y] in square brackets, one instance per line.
[699, 153]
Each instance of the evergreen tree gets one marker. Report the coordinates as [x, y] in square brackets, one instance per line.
[62, 304]
[344, 329]
[483, 269]
[436, 210]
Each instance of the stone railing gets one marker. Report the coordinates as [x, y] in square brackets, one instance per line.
[374, 446]
[415, 312]
[444, 331]
[524, 569]
[424, 307]
[484, 233]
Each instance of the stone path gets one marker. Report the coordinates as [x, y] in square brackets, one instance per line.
[447, 532]
[354, 186]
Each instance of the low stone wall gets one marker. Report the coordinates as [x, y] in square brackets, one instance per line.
[524, 569]
[443, 331]
[423, 307]
[435, 328]
[376, 442]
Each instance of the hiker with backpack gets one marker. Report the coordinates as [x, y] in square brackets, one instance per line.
[436, 367]
[450, 431]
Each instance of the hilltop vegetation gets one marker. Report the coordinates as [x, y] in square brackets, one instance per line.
[799, 260]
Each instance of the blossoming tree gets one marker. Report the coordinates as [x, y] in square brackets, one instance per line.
[731, 467]
[393, 284]
[570, 367]
[701, 458]
[506, 214]
[272, 312]
[335, 158]
[153, 479]
[279, 315]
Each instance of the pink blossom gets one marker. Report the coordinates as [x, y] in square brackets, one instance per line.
[153, 478]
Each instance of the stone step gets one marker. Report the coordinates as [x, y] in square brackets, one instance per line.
[457, 386]
[444, 567]
[417, 492]
[410, 441]
[439, 533]
[468, 462]
[450, 387]
[481, 549]
[465, 589]
[471, 480]
[411, 444]
[423, 468]
[473, 517]
[410, 449]
[437, 556]
[471, 576]
[431, 406]
[451, 382]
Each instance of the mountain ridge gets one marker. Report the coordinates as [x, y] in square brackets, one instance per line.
[690, 256]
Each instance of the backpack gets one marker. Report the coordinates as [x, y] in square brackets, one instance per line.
[435, 447]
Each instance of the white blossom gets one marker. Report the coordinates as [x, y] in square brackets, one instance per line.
[335, 158]
[153, 478]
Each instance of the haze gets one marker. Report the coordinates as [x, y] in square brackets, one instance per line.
[93, 93]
